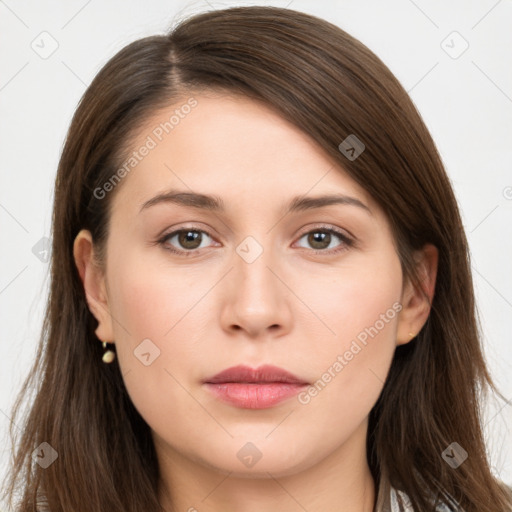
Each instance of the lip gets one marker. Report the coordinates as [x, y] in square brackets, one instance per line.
[258, 388]
[264, 374]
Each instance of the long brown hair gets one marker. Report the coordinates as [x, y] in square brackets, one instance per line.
[330, 86]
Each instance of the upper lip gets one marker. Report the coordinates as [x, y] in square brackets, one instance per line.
[263, 374]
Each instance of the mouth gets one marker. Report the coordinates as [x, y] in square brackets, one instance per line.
[259, 388]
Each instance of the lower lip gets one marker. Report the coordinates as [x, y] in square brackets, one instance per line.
[254, 396]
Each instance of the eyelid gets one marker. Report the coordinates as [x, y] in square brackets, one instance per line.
[328, 227]
[166, 233]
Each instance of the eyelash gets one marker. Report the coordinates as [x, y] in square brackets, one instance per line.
[347, 242]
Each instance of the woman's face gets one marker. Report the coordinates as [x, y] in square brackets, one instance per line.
[190, 290]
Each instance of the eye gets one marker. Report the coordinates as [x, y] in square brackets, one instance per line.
[324, 239]
[187, 240]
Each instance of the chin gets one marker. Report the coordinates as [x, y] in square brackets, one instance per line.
[257, 460]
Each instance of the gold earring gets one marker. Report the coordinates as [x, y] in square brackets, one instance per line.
[109, 355]
[411, 335]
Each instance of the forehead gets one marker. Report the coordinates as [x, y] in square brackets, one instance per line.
[233, 147]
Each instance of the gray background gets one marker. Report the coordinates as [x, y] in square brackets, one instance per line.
[464, 95]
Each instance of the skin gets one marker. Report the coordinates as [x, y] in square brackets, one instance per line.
[291, 307]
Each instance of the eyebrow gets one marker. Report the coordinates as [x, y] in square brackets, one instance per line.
[216, 204]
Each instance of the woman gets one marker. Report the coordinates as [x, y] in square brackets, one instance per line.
[261, 294]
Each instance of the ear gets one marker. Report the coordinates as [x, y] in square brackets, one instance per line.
[417, 299]
[93, 280]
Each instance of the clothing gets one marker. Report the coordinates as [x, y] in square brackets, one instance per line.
[399, 502]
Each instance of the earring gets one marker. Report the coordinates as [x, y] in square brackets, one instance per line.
[411, 335]
[109, 355]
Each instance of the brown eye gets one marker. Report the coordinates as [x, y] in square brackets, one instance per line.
[186, 240]
[189, 239]
[324, 240]
[319, 239]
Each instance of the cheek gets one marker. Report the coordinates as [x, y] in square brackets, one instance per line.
[157, 321]
[360, 307]
[359, 301]
[149, 298]
[154, 309]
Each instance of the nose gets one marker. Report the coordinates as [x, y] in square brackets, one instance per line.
[256, 298]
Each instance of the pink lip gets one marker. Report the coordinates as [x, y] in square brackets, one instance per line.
[258, 388]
